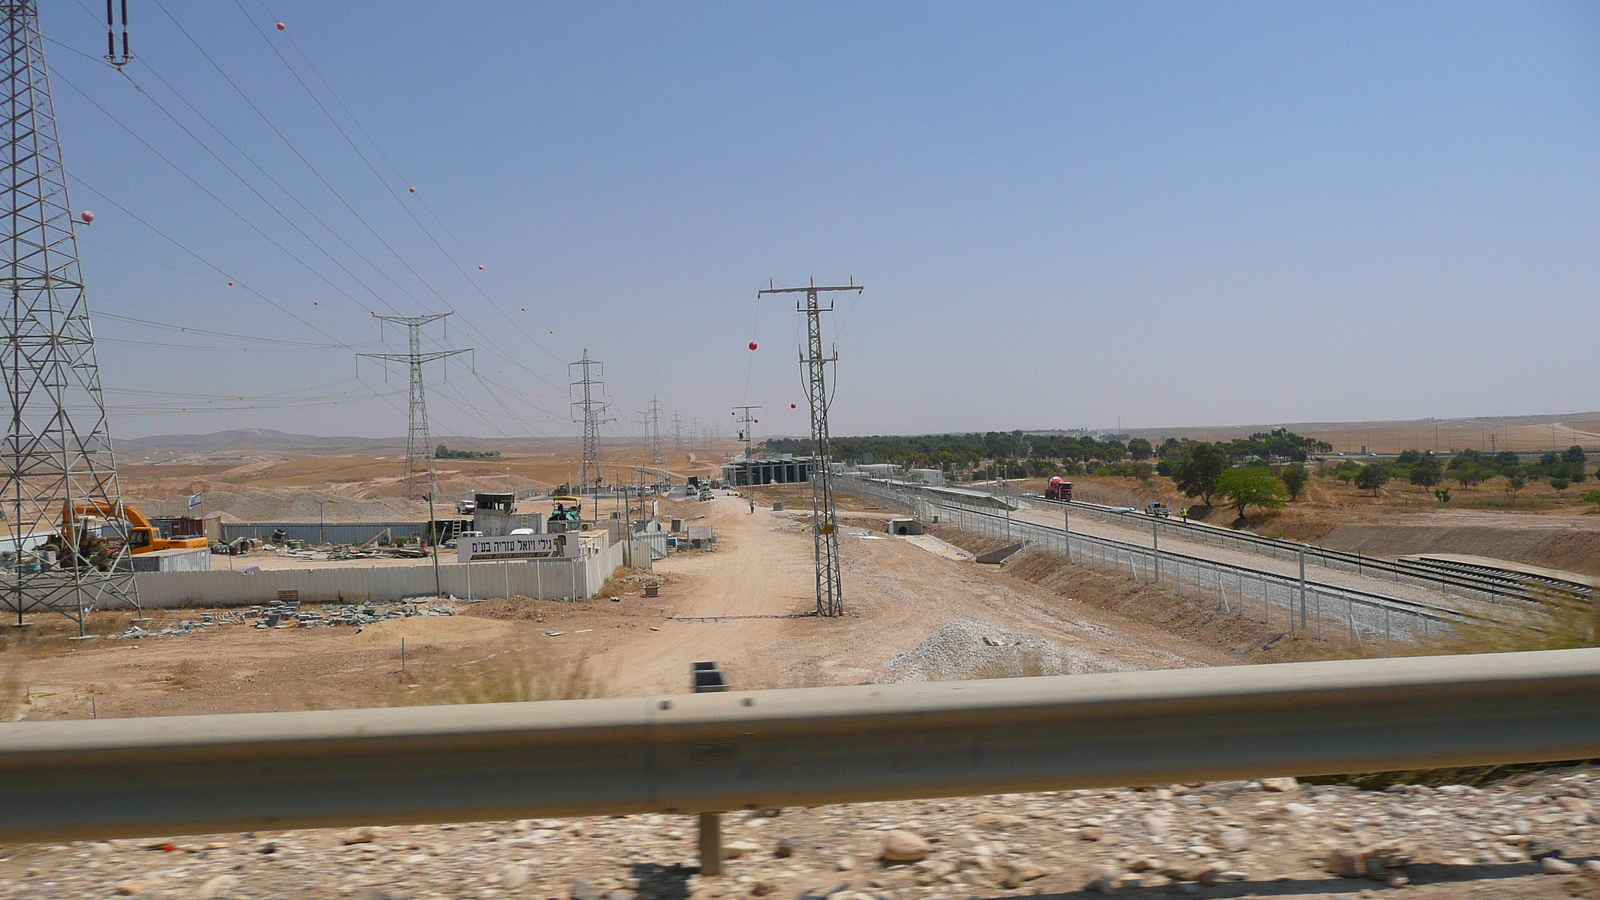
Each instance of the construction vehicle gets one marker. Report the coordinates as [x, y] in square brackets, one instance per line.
[143, 537]
[567, 509]
[1057, 489]
[75, 544]
[1158, 509]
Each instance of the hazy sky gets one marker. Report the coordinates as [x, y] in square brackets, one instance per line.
[1176, 214]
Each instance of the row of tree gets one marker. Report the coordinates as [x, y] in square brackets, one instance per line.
[996, 453]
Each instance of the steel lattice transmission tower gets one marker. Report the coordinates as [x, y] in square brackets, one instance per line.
[594, 411]
[419, 445]
[60, 468]
[654, 414]
[677, 432]
[745, 433]
[825, 524]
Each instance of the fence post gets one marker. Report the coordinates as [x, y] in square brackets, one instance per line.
[1155, 544]
[1302, 589]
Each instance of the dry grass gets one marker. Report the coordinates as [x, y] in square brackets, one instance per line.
[185, 675]
[13, 692]
[513, 676]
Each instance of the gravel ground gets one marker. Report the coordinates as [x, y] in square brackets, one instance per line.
[1223, 839]
[967, 649]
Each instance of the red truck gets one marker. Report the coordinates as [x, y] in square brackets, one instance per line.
[1058, 490]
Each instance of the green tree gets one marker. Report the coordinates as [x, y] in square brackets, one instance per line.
[1371, 477]
[1514, 486]
[1426, 473]
[1443, 494]
[1252, 486]
[1140, 449]
[1196, 471]
[1294, 480]
[1575, 454]
[1559, 484]
[1591, 496]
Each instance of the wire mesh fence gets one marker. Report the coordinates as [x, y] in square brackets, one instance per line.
[1333, 560]
[1296, 604]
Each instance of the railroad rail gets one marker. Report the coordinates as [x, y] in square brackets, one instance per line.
[710, 752]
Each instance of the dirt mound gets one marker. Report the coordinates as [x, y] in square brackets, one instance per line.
[287, 506]
[1574, 551]
[1404, 540]
[966, 649]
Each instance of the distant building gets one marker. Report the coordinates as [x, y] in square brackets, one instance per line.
[781, 469]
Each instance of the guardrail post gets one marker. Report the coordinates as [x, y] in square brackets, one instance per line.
[710, 844]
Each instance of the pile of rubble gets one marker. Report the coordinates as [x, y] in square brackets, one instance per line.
[186, 626]
[289, 614]
[286, 614]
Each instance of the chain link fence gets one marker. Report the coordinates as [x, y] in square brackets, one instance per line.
[1296, 604]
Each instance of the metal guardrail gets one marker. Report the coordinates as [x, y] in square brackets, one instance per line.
[745, 750]
[1301, 603]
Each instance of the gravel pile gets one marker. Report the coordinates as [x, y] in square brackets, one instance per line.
[967, 649]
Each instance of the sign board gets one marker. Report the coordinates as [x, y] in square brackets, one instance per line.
[516, 546]
[701, 533]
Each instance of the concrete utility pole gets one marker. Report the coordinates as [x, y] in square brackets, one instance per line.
[744, 427]
[419, 450]
[593, 417]
[825, 524]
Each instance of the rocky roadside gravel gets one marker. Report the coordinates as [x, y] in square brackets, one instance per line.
[1532, 837]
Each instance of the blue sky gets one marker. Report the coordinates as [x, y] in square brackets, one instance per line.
[1063, 213]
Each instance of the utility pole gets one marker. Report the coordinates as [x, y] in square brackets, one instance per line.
[433, 545]
[677, 433]
[695, 433]
[824, 522]
[593, 417]
[744, 427]
[419, 449]
[59, 465]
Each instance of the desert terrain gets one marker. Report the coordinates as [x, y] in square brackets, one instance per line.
[916, 608]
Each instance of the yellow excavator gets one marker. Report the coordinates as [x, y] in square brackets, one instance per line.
[95, 550]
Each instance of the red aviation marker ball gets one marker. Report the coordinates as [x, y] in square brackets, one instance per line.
[752, 345]
[280, 26]
[86, 216]
[792, 406]
[412, 190]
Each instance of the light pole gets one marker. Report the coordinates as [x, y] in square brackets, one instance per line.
[322, 533]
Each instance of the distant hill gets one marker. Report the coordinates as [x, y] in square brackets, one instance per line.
[253, 438]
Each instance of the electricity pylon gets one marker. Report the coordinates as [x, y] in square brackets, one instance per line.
[744, 427]
[60, 467]
[593, 417]
[655, 432]
[419, 446]
[824, 522]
